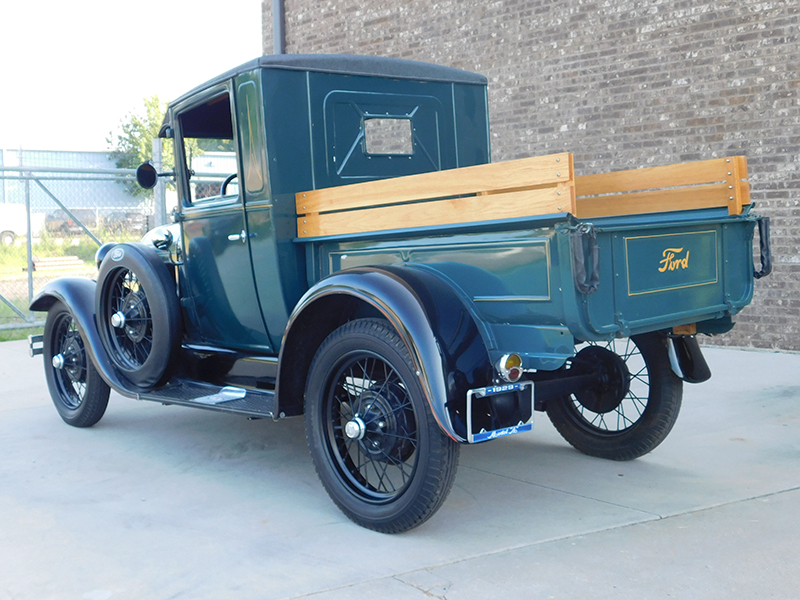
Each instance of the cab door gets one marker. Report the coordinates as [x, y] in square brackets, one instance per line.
[218, 291]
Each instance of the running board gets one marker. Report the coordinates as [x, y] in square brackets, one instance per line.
[230, 399]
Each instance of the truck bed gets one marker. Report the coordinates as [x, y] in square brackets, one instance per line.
[550, 257]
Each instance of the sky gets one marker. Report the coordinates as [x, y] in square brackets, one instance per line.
[71, 70]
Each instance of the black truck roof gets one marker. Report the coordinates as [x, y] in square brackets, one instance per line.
[348, 64]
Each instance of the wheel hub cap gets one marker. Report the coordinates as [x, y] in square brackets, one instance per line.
[70, 359]
[118, 320]
[613, 379]
[386, 426]
[355, 429]
[130, 317]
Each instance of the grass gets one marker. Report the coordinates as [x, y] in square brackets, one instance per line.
[8, 316]
[14, 259]
[9, 335]
[14, 276]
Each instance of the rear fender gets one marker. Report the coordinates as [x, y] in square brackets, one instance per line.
[443, 337]
[78, 294]
[687, 360]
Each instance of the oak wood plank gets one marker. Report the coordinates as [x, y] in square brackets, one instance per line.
[522, 173]
[740, 191]
[691, 173]
[434, 213]
[685, 198]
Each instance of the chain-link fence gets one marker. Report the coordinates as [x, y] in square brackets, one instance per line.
[56, 209]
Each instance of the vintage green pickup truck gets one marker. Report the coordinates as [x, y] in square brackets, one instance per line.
[361, 261]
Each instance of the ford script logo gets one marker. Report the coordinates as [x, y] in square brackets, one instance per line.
[117, 254]
[673, 260]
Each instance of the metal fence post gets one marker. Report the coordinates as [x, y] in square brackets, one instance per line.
[2, 187]
[29, 243]
[160, 191]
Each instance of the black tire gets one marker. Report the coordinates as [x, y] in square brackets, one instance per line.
[395, 467]
[135, 284]
[78, 392]
[639, 416]
[7, 238]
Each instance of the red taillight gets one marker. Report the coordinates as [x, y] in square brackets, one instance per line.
[510, 367]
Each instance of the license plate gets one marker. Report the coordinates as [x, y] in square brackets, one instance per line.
[499, 411]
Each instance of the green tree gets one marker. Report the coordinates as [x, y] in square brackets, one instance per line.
[132, 143]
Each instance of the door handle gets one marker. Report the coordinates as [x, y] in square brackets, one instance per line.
[234, 237]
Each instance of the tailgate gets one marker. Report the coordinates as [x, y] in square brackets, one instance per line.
[659, 275]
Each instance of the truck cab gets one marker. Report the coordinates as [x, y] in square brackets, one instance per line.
[292, 123]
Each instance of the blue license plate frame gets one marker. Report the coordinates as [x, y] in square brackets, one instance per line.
[523, 390]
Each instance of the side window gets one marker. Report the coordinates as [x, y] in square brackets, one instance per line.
[208, 149]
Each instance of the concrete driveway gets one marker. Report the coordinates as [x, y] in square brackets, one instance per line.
[163, 502]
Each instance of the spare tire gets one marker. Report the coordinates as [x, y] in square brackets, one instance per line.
[138, 314]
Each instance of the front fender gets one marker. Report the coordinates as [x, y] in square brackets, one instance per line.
[78, 294]
[443, 337]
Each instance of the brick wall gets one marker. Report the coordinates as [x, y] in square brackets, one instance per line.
[621, 84]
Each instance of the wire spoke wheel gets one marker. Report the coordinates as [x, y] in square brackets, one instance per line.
[131, 324]
[372, 432]
[376, 447]
[71, 377]
[138, 314]
[78, 392]
[633, 406]
[626, 406]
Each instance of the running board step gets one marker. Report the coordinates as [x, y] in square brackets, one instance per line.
[230, 399]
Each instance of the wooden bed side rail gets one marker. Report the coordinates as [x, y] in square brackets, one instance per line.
[506, 190]
[520, 188]
[684, 186]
